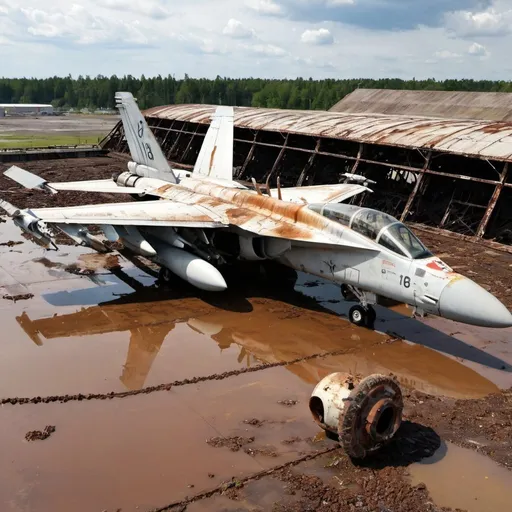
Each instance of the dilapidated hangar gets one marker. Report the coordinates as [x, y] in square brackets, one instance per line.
[450, 174]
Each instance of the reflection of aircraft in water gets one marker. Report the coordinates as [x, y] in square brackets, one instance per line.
[273, 331]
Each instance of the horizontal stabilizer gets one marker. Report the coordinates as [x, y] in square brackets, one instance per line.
[25, 178]
[8, 208]
[320, 193]
[102, 186]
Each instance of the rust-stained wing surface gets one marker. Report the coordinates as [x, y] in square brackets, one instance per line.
[320, 193]
[154, 213]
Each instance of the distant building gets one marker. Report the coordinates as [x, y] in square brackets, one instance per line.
[26, 109]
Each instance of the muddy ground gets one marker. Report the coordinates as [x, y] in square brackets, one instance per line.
[210, 411]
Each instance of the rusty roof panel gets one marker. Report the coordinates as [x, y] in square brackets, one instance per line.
[483, 139]
[496, 106]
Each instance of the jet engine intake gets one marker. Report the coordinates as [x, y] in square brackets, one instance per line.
[262, 248]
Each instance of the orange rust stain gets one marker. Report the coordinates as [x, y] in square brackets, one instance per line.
[286, 230]
[495, 128]
[212, 157]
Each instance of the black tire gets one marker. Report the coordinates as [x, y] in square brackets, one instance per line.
[372, 316]
[358, 316]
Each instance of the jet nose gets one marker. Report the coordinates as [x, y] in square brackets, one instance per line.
[465, 301]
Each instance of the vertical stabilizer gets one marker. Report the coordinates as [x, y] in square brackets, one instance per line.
[144, 148]
[216, 155]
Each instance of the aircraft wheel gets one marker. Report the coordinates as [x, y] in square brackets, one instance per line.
[372, 316]
[358, 316]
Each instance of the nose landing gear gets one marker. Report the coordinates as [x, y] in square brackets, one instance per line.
[362, 314]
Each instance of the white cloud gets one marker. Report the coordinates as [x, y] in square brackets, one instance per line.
[446, 54]
[266, 50]
[237, 30]
[80, 26]
[336, 3]
[265, 7]
[153, 8]
[478, 50]
[320, 36]
[113, 37]
[476, 24]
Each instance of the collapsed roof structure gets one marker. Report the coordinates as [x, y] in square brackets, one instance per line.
[451, 174]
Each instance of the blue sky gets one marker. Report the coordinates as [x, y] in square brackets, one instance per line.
[260, 38]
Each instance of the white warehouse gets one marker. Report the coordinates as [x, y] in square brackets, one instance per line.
[25, 109]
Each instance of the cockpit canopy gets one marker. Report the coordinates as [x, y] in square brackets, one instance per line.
[377, 226]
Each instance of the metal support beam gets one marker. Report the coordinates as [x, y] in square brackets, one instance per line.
[416, 188]
[269, 175]
[249, 156]
[309, 163]
[358, 159]
[492, 203]
[189, 145]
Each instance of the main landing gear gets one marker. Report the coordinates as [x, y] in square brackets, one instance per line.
[362, 314]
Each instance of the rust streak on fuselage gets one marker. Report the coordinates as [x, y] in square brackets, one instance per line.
[243, 206]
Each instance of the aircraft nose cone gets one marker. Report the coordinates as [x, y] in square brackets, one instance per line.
[465, 301]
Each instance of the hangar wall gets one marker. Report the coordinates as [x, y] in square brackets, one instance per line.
[447, 174]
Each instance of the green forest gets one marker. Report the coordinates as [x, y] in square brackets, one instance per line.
[98, 92]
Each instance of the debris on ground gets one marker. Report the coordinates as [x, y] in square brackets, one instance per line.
[265, 452]
[10, 243]
[234, 443]
[37, 435]
[254, 422]
[22, 296]
[288, 403]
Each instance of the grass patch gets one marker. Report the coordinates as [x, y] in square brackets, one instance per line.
[18, 140]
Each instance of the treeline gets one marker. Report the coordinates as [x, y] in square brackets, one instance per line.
[98, 92]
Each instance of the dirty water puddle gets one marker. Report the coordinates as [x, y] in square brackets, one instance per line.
[461, 478]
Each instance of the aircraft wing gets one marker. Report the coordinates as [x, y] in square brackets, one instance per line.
[147, 213]
[104, 186]
[320, 193]
[32, 181]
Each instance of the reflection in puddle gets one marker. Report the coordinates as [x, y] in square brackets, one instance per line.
[460, 478]
[284, 327]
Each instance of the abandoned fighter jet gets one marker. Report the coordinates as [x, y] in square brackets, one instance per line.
[204, 220]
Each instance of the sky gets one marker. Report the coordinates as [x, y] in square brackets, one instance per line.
[258, 38]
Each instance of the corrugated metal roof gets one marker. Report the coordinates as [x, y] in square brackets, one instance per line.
[485, 106]
[482, 139]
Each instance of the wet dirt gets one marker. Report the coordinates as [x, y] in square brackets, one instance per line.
[15, 298]
[462, 478]
[233, 443]
[63, 170]
[10, 243]
[37, 435]
[484, 424]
